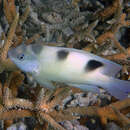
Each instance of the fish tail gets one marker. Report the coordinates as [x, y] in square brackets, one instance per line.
[117, 88]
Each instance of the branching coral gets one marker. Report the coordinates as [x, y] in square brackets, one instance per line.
[13, 108]
[71, 25]
[107, 12]
[12, 105]
[7, 44]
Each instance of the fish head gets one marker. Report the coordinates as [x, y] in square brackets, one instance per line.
[24, 58]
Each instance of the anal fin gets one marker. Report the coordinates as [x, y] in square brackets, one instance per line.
[87, 87]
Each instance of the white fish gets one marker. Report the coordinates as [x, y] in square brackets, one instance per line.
[71, 66]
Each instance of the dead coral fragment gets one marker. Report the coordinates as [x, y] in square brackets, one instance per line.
[45, 108]
[111, 34]
[107, 12]
[6, 63]
[64, 23]
[9, 10]
[105, 113]
[9, 39]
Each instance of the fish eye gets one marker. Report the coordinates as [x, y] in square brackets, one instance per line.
[21, 57]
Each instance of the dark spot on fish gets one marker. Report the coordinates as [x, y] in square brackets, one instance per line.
[62, 54]
[128, 58]
[92, 65]
[37, 48]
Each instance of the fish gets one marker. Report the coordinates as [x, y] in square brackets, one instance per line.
[74, 67]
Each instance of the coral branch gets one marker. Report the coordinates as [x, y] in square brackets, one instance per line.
[60, 95]
[9, 39]
[75, 24]
[121, 118]
[107, 12]
[51, 121]
[60, 116]
[7, 12]
[16, 80]
[25, 15]
[7, 65]
[111, 33]
[14, 114]
[1, 93]
[36, 36]
[119, 56]
[118, 45]
[11, 6]
[104, 113]
[11, 102]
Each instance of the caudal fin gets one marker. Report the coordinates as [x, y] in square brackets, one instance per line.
[117, 88]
